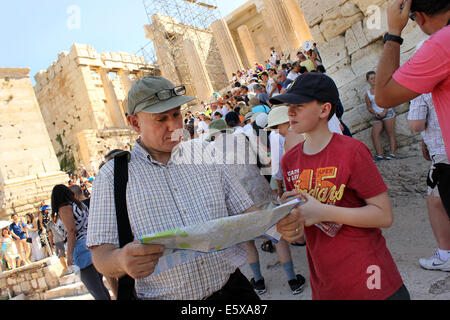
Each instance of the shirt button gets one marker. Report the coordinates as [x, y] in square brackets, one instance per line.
[175, 189]
[184, 211]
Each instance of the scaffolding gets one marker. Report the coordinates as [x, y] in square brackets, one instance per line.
[180, 20]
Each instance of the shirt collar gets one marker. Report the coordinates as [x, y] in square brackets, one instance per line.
[140, 152]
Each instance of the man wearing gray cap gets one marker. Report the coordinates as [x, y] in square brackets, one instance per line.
[165, 192]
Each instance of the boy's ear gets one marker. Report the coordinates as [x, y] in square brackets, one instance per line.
[326, 110]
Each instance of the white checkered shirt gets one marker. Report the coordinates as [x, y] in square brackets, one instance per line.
[163, 197]
[422, 108]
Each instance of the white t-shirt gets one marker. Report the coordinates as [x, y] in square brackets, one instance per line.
[251, 87]
[375, 108]
[202, 126]
[276, 153]
[269, 87]
[293, 75]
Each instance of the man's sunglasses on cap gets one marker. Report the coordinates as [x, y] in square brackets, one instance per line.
[163, 95]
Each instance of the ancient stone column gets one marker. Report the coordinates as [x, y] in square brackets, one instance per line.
[301, 28]
[248, 45]
[115, 110]
[126, 81]
[230, 56]
[198, 72]
[283, 26]
[166, 62]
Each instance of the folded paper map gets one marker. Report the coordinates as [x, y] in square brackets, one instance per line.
[219, 234]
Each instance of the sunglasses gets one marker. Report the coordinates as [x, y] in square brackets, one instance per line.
[164, 95]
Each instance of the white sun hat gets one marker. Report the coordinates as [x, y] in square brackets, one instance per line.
[278, 115]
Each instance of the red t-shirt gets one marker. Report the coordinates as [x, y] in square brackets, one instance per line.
[429, 71]
[355, 264]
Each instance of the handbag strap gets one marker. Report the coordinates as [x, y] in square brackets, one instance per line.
[126, 283]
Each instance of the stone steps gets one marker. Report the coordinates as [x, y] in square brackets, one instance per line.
[71, 288]
[66, 291]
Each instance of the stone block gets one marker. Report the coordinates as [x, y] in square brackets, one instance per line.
[364, 5]
[367, 58]
[341, 72]
[42, 284]
[358, 119]
[338, 20]
[375, 23]
[11, 281]
[317, 35]
[333, 51]
[34, 284]
[313, 10]
[25, 287]
[17, 290]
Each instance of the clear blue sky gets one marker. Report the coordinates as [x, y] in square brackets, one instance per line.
[33, 33]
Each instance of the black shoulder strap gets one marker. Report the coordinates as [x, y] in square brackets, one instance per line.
[126, 289]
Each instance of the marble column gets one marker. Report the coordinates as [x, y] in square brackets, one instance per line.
[115, 110]
[248, 45]
[198, 73]
[301, 27]
[283, 26]
[230, 56]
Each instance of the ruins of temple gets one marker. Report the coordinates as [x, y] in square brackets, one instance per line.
[28, 165]
[348, 34]
[83, 98]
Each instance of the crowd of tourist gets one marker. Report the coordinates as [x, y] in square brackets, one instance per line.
[286, 117]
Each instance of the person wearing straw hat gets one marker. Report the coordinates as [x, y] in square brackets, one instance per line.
[171, 184]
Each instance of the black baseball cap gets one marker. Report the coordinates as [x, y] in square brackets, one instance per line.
[310, 87]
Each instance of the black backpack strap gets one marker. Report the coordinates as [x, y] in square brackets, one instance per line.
[126, 289]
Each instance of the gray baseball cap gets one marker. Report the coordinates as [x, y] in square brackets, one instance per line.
[155, 95]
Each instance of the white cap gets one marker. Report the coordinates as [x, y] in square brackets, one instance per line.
[254, 116]
[261, 120]
[278, 115]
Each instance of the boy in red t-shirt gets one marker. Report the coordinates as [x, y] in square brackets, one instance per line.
[342, 187]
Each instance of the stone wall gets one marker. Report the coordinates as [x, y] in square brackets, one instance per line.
[94, 145]
[85, 90]
[28, 165]
[32, 280]
[349, 34]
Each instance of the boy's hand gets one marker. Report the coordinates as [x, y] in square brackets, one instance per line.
[311, 211]
[288, 196]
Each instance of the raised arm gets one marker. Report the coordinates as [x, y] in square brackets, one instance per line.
[389, 92]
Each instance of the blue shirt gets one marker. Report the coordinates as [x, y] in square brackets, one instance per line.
[260, 108]
[18, 231]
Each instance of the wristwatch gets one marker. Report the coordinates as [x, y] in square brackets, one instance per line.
[391, 37]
